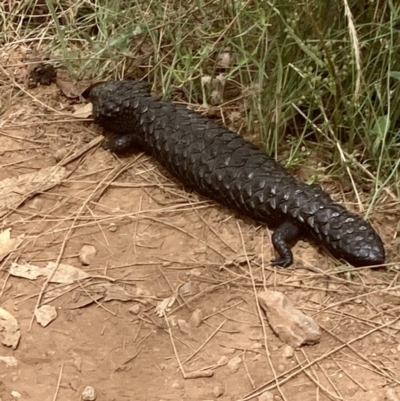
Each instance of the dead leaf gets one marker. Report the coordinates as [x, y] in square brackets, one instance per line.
[85, 302]
[117, 293]
[15, 190]
[84, 111]
[45, 314]
[8, 244]
[9, 328]
[65, 274]
[25, 270]
[69, 89]
[164, 305]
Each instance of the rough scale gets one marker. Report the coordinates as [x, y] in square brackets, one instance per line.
[222, 165]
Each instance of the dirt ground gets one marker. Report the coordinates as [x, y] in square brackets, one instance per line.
[156, 242]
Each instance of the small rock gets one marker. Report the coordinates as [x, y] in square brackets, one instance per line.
[61, 153]
[176, 385]
[134, 309]
[15, 394]
[266, 396]
[86, 254]
[287, 351]
[112, 227]
[89, 394]
[196, 318]
[218, 390]
[184, 327]
[289, 324]
[233, 364]
[45, 314]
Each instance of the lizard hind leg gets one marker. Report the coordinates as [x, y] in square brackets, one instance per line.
[283, 236]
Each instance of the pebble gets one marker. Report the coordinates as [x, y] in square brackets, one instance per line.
[89, 394]
[112, 227]
[15, 394]
[134, 309]
[60, 153]
[287, 351]
[86, 254]
[45, 314]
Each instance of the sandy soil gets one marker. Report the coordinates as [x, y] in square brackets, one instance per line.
[153, 242]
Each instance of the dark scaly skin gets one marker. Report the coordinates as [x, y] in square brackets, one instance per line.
[222, 165]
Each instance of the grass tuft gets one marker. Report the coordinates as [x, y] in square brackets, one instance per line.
[311, 77]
